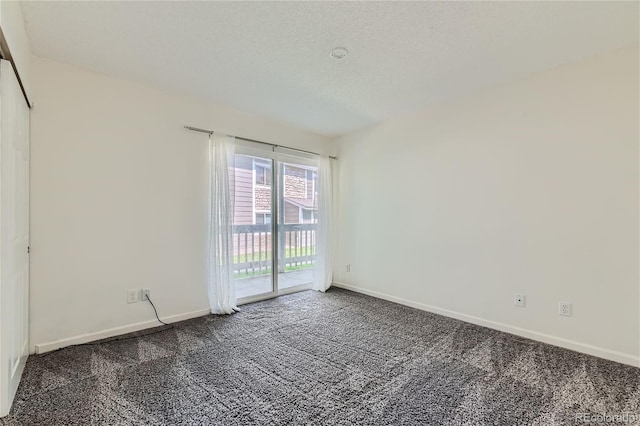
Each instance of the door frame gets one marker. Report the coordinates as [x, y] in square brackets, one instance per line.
[250, 149]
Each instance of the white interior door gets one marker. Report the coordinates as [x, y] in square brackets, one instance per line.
[14, 235]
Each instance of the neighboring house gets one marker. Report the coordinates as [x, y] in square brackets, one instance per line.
[253, 192]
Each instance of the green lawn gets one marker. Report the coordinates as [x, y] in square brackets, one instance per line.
[266, 256]
[249, 273]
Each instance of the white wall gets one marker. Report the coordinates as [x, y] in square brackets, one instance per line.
[15, 34]
[530, 187]
[119, 199]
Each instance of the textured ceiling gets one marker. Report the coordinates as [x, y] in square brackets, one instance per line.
[273, 59]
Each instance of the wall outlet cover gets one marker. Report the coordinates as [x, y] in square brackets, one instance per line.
[132, 296]
[564, 309]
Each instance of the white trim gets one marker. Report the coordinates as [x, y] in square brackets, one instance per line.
[253, 193]
[116, 331]
[518, 331]
[306, 183]
[283, 176]
[313, 188]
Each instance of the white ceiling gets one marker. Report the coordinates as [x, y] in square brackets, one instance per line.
[273, 59]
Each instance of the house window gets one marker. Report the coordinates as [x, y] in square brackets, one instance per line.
[307, 216]
[263, 173]
[263, 218]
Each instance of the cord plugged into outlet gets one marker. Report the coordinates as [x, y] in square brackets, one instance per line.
[132, 297]
[145, 294]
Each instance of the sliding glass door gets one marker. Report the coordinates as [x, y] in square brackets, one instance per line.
[252, 225]
[297, 219]
[275, 210]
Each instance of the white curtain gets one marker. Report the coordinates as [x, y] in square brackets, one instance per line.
[222, 293]
[323, 271]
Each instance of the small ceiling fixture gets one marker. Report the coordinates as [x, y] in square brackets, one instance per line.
[339, 53]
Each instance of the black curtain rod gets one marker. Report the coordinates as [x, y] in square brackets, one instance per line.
[196, 129]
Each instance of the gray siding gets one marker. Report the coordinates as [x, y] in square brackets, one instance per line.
[243, 213]
[291, 213]
[296, 186]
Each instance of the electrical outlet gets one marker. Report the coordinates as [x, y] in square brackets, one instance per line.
[144, 293]
[132, 296]
[519, 300]
[564, 309]
[349, 267]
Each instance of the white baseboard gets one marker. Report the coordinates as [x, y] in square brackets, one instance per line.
[111, 332]
[533, 335]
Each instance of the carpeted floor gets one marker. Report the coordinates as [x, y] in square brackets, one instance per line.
[338, 358]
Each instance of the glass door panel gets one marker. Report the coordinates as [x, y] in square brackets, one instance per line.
[252, 226]
[297, 222]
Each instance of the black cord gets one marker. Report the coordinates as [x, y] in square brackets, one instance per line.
[156, 312]
[118, 339]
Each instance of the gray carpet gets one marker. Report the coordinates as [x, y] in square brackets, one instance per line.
[338, 358]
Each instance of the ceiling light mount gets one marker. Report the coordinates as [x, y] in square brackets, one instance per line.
[339, 53]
